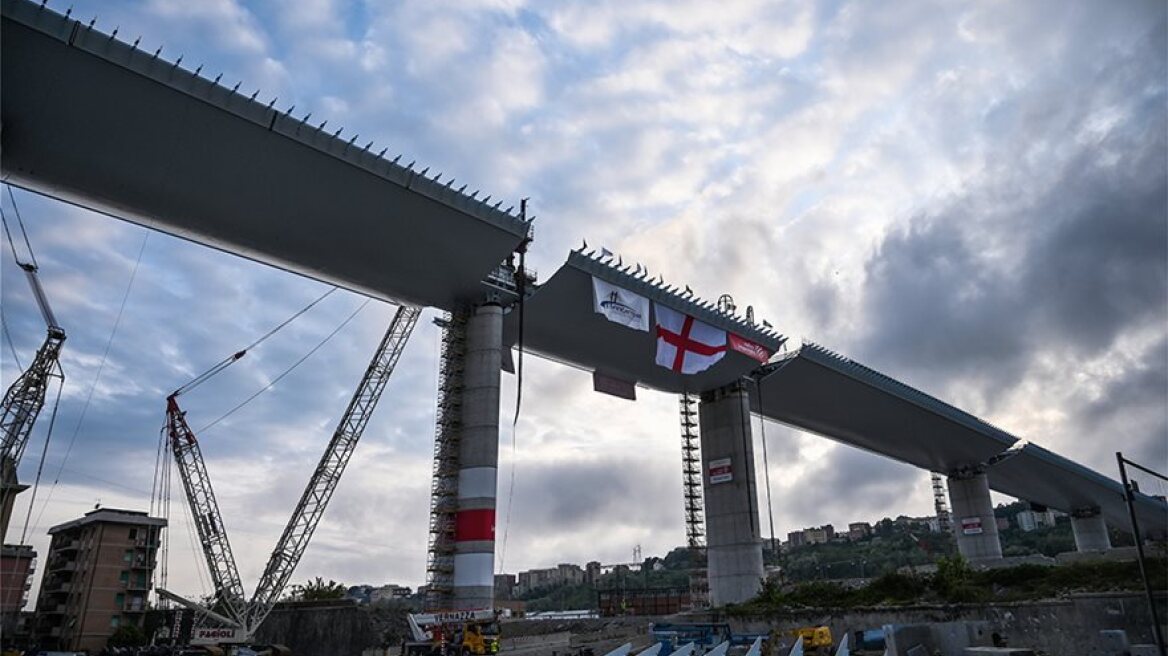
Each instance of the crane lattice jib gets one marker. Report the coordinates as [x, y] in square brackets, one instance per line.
[25, 398]
[332, 464]
[204, 508]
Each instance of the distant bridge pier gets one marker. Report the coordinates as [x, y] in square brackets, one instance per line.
[478, 449]
[1090, 530]
[734, 545]
[974, 525]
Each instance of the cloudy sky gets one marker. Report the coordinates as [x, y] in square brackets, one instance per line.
[971, 198]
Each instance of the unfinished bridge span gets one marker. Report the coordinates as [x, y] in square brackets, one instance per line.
[94, 121]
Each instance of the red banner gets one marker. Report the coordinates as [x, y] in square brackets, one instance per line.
[749, 348]
[474, 525]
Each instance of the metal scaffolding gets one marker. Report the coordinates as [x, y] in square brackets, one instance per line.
[941, 505]
[691, 473]
[444, 486]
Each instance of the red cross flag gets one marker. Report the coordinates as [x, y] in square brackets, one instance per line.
[685, 344]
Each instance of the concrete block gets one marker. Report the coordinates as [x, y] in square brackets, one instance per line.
[1113, 642]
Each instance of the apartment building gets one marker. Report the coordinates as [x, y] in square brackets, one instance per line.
[98, 574]
[17, 565]
[859, 530]
[558, 575]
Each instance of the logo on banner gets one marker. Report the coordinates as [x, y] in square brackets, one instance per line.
[720, 471]
[620, 305]
[214, 635]
[748, 348]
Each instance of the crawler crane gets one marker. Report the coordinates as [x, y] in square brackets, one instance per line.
[238, 617]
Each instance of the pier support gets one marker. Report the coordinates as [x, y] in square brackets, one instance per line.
[1090, 530]
[974, 525]
[478, 449]
[734, 546]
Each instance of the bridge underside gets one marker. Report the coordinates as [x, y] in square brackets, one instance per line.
[92, 121]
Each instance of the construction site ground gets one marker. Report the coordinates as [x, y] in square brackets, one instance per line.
[548, 637]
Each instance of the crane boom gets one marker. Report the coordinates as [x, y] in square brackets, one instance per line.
[25, 398]
[204, 508]
[328, 472]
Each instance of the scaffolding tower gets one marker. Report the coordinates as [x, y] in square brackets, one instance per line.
[941, 504]
[691, 473]
[444, 485]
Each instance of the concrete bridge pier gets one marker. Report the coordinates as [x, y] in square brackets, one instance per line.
[474, 533]
[734, 546]
[974, 525]
[1090, 530]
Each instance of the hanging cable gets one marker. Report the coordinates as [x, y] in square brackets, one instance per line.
[521, 287]
[289, 370]
[766, 468]
[231, 359]
[97, 377]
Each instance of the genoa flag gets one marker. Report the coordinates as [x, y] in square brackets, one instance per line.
[685, 344]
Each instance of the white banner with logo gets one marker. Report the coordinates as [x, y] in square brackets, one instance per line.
[620, 305]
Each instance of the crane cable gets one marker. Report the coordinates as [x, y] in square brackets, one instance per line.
[289, 370]
[60, 375]
[20, 221]
[97, 377]
[11, 345]
[16, 257]
[231, 359]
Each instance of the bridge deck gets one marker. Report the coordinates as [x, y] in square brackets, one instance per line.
[818, 391]
[562, 324]
[93, 121]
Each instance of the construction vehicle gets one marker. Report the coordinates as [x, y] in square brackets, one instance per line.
[453, 633]
[229, 625]
[816, 639]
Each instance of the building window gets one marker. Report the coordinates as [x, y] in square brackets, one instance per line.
[133, 533]
[128, 556]
[115, 621]
[125, 576]
[120, 599]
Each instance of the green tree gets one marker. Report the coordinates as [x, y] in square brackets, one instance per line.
[127, 635]
[316, 589]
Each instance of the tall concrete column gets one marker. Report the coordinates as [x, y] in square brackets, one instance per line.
[474, 534]
[734, 546]
[1090, 530]
[974, 525]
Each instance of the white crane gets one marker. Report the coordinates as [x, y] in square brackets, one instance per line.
[230, 606]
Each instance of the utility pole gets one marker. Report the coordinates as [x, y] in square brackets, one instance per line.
[1129, 497]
